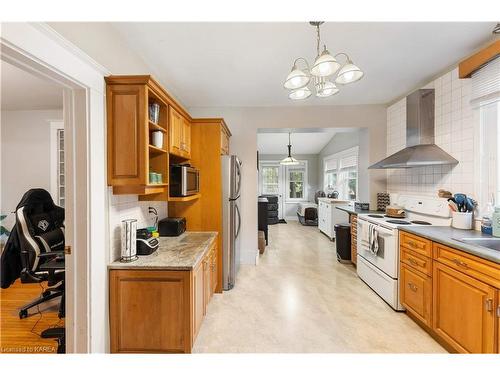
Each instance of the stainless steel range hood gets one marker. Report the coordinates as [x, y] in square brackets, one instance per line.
[420, 149]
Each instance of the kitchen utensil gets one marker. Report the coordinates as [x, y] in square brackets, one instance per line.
[470, 204]
[444, 193]
[453, 205]
[460, 200]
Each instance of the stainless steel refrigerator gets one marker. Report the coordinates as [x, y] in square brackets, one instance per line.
[231, 219]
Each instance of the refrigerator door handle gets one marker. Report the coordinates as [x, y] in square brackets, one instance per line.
[238, 173]
[239, 221]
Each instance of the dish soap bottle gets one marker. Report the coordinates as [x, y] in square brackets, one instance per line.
[495, 222]
[486, 222]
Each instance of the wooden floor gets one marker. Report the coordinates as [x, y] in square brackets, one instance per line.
[21, 335]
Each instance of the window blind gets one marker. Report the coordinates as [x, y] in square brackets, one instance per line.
[331, 164]
[486, 83]
[349, 161]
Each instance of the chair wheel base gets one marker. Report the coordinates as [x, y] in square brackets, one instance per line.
[23, 314]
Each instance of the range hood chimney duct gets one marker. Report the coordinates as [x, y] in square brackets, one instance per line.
[420, 149]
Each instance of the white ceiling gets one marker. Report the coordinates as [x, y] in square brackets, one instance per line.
[21, 90]
[245, 64]
[310, 141]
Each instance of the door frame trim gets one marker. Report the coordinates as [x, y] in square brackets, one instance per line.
[38, 49]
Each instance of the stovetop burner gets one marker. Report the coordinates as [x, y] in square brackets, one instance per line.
[420, 222]
[400, 222]
[377, 216]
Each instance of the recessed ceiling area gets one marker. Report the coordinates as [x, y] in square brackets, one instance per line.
[245, 64]
[304, 141]
[21, 90]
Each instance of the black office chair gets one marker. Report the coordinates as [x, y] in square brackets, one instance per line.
[40, 230]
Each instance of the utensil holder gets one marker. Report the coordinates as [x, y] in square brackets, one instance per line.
[461, 220]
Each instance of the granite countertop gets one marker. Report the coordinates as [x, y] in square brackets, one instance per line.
[174, 253]
[351, 210]
[446, 235]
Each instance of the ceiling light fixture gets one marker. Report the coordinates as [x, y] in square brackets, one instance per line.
[289, 160]
[325, 66]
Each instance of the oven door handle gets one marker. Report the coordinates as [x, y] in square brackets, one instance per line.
[383, 230]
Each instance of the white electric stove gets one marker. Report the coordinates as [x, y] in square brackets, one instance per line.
[381, 270]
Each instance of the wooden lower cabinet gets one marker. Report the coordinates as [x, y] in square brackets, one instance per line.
[464, 311]
[159, 311]
[416, 293]
[454, 294]
[149, 311]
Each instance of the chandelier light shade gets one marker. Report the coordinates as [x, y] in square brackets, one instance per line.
[325, 73]
[296, 79]
[289, 160]
[349, 73]
[325, 65]
[302, 93]
[325, 89]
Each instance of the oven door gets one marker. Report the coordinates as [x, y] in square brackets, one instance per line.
[190, 181]
[387, 257]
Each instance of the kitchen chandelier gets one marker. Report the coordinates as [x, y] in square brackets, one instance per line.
[323, 68]
[289, 160]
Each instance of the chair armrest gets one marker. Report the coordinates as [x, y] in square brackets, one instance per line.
[51, 254]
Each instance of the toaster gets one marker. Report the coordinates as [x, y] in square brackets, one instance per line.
[172, 226]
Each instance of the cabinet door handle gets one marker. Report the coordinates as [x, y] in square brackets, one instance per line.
[489, 304]
[413, 287]
[498, 311]
[459, 263]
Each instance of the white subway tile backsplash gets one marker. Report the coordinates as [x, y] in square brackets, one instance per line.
[123, 207]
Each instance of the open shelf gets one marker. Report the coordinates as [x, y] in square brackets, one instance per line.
[153, 127]
[184, 199]
[156, 150]
[140, 189]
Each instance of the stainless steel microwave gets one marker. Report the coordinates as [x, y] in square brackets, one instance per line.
[184, 180]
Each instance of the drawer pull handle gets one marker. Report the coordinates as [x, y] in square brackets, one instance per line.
[489, 304]
[458, 262]
[413, 261]
[413, 287]
[412, 244]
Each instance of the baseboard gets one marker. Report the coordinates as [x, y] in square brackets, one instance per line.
[291, 218]
[249, 257]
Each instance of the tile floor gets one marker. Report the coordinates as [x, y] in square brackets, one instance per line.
[300, 299]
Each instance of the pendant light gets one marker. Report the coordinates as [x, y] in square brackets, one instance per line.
[327, 71]
[289, 160]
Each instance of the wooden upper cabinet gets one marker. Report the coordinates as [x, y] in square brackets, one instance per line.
[224, 139]
[175, 132]
[127, 144]
[464, 311]
[180, 135]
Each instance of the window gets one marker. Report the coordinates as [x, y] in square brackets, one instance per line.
[270, 179]
[296, 179]
[485, 101]
[341, 174]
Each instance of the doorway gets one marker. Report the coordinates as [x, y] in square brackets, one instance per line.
[39, 50]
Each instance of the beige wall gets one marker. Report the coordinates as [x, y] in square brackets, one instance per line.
[244, 123]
